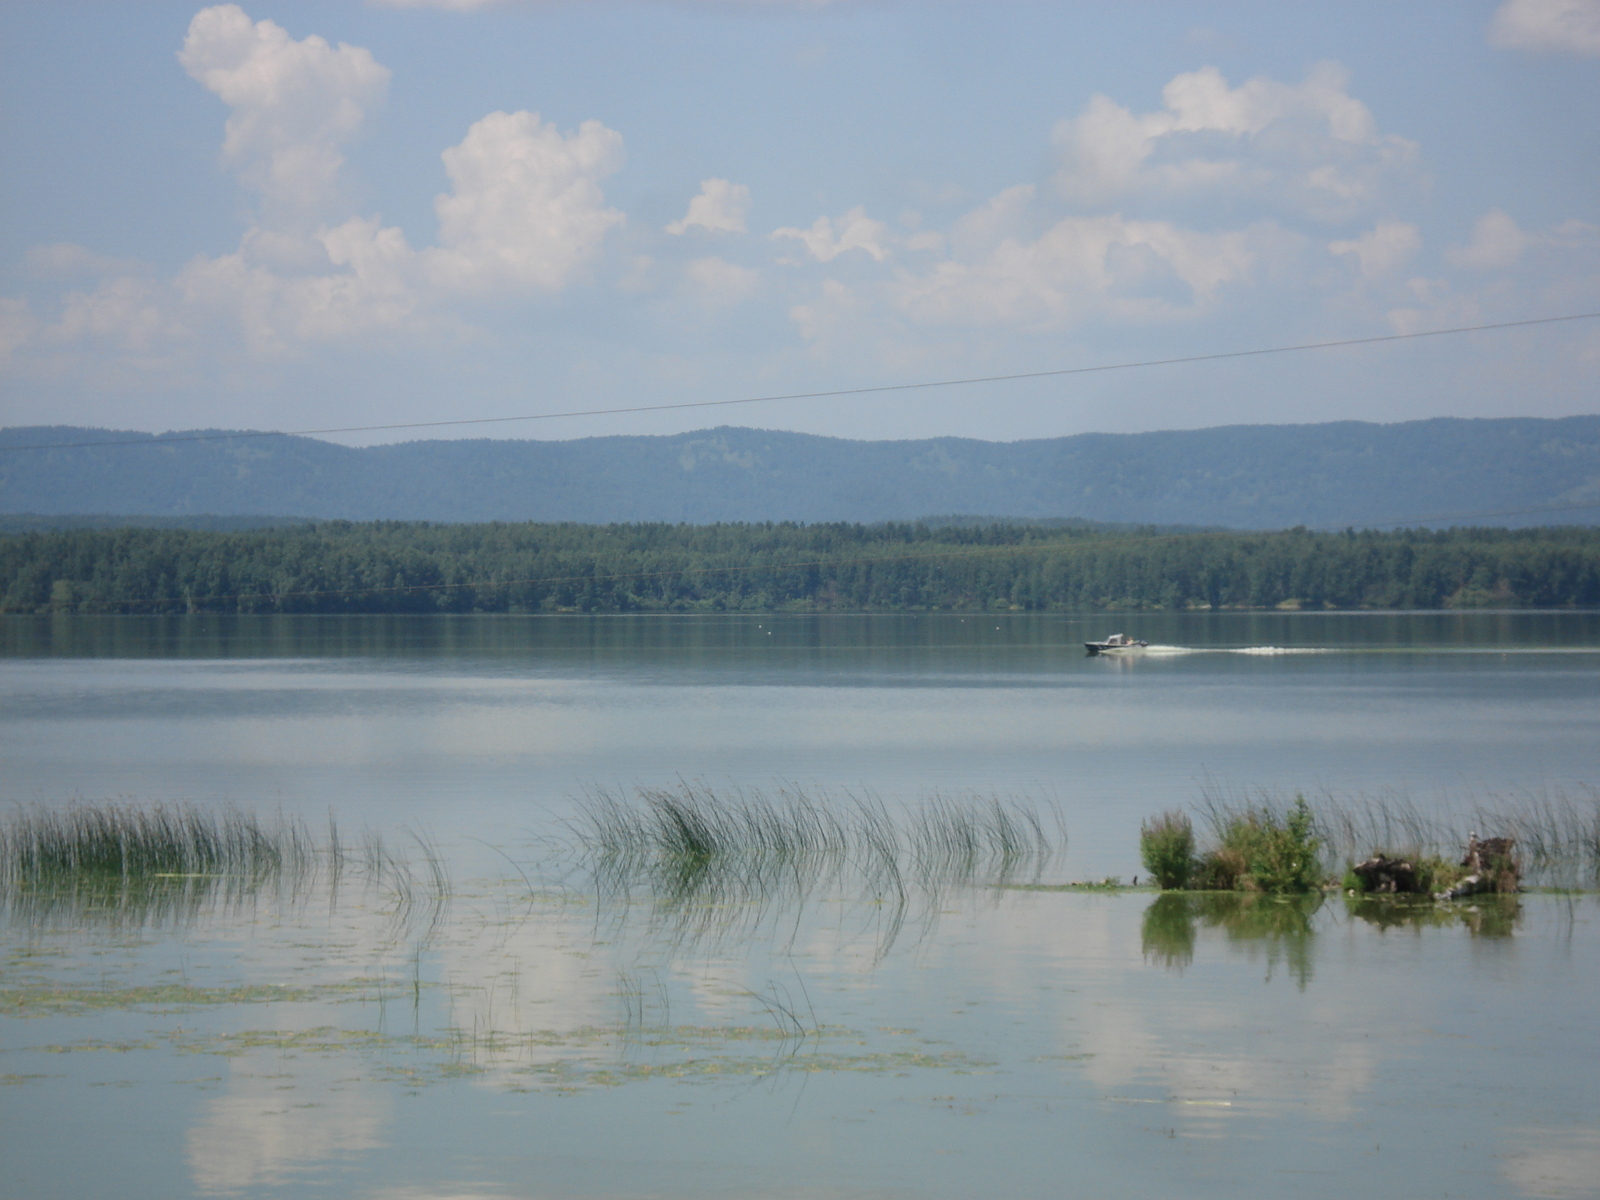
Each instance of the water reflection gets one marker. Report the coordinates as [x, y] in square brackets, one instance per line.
[1282, 929]
[1276, 927]
[714, 637]
[274, 1125]
[1487, 915]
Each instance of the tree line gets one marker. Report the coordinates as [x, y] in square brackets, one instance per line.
[409, 567]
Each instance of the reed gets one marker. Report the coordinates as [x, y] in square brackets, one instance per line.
[172, 863]
[1557, 832]
[693, 841]
[122, 841]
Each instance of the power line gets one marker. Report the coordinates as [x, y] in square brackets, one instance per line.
[859, 391]
[803, 565]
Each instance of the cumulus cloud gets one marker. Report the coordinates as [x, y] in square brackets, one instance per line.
[720, 207]
[371, 287]
[855, 231]
[1382, 249]
[527, 209]
[295, 104]
[1496, 243]
[1311, 147]
[1564, 26]
[718, 281]
[525, 213]
[1103, 265]
[129, 313]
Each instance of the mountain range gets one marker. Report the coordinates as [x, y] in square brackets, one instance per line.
[1506, 471]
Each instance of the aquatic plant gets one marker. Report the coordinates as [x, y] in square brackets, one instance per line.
[125, 841]
[1166, 847]
[127, 863]
[717, 864]
[1263, 847]
[1557, 833]
[688, 833]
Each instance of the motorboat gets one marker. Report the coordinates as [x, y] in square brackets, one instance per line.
[1115, 643]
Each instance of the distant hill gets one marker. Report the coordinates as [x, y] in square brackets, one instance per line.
[1243, 476]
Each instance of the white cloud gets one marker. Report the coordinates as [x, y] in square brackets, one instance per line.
[295, 104]
[720, 207]
[526, 212]
[1496, 243]
[1008, 214]
[129, 313]
[1081, 266]
[1569, 26]
[1310, 147]
[1382, 249]
[856, 231]
[526, 209]
[372, 289]
[718, 281]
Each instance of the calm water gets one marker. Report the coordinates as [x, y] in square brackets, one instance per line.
[531, 1038]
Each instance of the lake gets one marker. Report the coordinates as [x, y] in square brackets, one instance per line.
[530, 1029]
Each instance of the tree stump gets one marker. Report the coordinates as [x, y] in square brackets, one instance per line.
[1493, 868]
[1383, 875]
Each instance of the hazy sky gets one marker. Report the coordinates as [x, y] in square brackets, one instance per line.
[295, 215]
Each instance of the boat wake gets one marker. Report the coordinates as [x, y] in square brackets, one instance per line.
[1255, 651]
[1271, 651]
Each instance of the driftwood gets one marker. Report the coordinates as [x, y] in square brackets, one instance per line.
[1382, 874]
[1492, 868]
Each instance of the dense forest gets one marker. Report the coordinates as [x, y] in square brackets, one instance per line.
[402, 567]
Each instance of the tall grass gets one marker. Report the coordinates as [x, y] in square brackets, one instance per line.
[1166, 847]
[1557, 833]
[128, 842]
[718, 864]
[167, 863]
[747, 841]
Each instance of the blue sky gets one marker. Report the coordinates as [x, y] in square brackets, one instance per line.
[291, 215]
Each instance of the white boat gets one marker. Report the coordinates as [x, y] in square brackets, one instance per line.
[1115, 643]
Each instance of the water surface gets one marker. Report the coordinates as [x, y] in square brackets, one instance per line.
[528, 1036]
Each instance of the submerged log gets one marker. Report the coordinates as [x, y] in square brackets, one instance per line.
[1493, 868]
[1385, 875]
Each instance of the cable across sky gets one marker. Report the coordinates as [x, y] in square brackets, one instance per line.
[877, 389]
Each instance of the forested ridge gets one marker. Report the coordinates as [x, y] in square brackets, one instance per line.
[1241, 477]
[342, 567]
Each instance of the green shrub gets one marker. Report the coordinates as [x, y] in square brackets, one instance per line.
[1221, 869]
[1265, 850]
[1166, 844]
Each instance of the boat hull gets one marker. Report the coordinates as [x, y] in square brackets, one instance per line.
[1114, 647]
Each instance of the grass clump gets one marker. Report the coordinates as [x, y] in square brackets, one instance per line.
[124, 842]
[174, 863]
[745, 843]
[1166, 847]
[1279, 848]
[1256, 847]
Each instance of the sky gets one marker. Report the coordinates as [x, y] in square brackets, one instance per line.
[282, 215]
